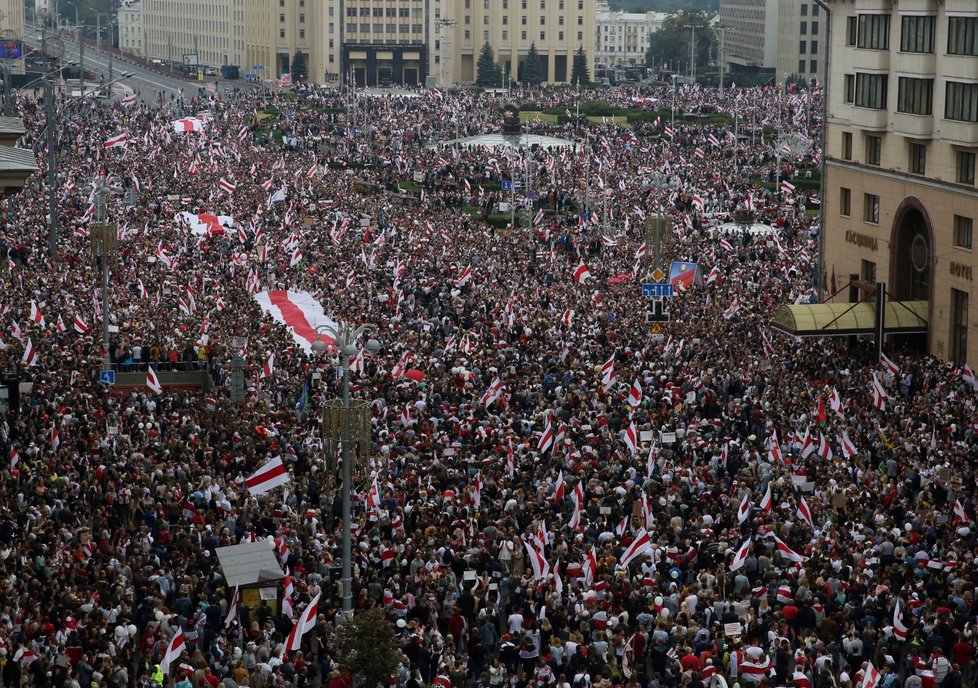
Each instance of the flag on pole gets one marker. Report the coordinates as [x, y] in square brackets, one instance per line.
[581, 273]
[232, 609]
[174, 649]
[152, 381]
[306, 622]
[741, 555]
[640, 545]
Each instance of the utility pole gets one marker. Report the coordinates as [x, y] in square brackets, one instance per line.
[50, 115]
[723, 32]
[80, 29]
[692, 54]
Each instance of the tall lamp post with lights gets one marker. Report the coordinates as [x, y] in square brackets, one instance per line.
[346, 423]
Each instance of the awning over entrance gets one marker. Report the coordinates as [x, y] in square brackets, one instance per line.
[843, 319]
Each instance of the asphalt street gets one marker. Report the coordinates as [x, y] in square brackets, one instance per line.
[145, 82]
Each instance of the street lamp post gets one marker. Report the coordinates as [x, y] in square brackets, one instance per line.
[345, 340]
[105, 241]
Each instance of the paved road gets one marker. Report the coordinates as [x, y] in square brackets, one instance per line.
[147, 82]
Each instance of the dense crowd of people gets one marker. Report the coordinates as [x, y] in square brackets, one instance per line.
[559, 495]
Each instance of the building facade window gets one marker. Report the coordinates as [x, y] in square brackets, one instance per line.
[962, 36]
[961, 102]
[915, 96]
[871, 90]
[867, 271]
[874, 150]
[845, 201]
[847, 145]
[852, 30]
[917, 164]
[917, 33]
[959, 325]
[850, 88]
[871, 208]
[966, 167]
[962, 231]
[874, 32]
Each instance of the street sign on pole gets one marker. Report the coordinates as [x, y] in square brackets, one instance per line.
[505, 185]
[517, 184]
[657, 291]
[106, 377]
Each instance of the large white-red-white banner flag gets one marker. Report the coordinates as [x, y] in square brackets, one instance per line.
[206, 224]
[300, 312]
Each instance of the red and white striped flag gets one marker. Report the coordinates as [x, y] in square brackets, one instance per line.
[119, 141]
[804, 513]
[268, 368]
[741, 555]
[273, 474]
[541, 569]
[36, 315]
[80, 325]
[30, 354]
[787, 186]
[787, 552]
[891, 367]
[152, 381]
[899, 629]
[174, 649]
[226, 185]
[960, 512]
[232, 609]
[871, 677]
[635, 394]
[306, 622]
[640, 545]
[581, 273]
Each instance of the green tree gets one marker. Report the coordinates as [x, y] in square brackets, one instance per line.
[488, 73]
[367, 647]
[300, 69]
[533, 68]
[671, 42]
[579, 73]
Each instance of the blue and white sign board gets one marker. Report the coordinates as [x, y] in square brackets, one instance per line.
[658, 290]
[505, 185]
[106, 377]
[517, 185]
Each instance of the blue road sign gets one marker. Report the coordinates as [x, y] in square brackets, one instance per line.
[517, 185]
[106, 377]
[658, 290]
[505, 184]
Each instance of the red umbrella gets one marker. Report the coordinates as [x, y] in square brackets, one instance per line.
[414, 374]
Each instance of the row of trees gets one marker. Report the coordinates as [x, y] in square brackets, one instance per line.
[489, 73]
[672, 42]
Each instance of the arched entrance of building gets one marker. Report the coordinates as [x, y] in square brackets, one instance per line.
[912, 256]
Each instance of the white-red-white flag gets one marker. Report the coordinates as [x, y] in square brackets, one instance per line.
[174, 649]
[541, 569]
[871, 678]
[787, 552]
[743, 511]
[891, 367]
[635, 394]
[306, 622]
[804, 513]
[741, 555]
[640, 545]
[152, 381]
[899, 629]
[119, 141]
[273, 474]
[268, 368]
[232, 609]
[30, 354]
[581, 273]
